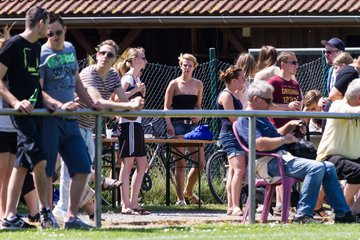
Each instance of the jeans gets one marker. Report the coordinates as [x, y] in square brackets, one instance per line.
[65, 178]
[313, 174]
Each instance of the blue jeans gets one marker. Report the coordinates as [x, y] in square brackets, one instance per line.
[313, 174]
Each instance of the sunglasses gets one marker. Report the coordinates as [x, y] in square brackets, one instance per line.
[107, 54]
[267, 100]
[293, 62]
[57, 33]
[328, 52]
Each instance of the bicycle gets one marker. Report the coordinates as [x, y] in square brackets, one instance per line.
[156, 152]
[217, 168]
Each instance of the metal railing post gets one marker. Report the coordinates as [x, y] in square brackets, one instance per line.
[98, 162]
[213, 89]
[252, 157]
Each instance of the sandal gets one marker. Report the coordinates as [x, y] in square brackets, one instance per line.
[181, 203]
[237, 212]
[110, 184]
[129, 211]
[229, 212]
[193, 199]
[321, 213]
[141, 211]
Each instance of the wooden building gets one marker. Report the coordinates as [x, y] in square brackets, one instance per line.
[166, 28]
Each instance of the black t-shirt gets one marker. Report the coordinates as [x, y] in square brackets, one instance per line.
[22, 59]
[344, 77]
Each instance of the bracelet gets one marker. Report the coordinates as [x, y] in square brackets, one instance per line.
[282, 139]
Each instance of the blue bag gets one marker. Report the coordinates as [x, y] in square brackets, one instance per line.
[201, 132]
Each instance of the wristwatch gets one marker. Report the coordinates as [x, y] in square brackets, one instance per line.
[282, 139]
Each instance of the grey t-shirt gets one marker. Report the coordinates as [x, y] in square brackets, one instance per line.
[58, 69]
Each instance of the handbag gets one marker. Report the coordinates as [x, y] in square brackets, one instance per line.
[303, 149]
[201, 132]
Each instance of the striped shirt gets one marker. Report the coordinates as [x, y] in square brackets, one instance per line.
[106, 87]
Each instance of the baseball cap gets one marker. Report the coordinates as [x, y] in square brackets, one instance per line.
[334, 42]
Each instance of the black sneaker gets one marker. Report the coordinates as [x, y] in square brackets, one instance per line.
[304, 219]
[76, 223]
[47, 219]
[17, 224]
[347, 218]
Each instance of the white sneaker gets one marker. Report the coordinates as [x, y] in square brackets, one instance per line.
[181, 203]
[59, 215]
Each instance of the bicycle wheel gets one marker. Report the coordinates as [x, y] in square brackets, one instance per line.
[216, 173]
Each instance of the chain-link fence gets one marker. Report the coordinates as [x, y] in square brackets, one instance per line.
[311, 74]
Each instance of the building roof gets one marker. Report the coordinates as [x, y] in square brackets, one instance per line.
[190, 13]
[17, 8]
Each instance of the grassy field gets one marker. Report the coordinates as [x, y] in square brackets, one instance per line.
[208, 231]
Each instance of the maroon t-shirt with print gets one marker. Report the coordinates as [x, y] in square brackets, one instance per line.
[284, 93]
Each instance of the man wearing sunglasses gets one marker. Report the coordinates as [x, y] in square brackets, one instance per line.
[59, 76]
[333, 47]
[312, 173]
[287, 94]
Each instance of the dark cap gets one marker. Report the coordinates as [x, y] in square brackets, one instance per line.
[334, 42]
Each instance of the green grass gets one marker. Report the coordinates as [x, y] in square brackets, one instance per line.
[208, 231]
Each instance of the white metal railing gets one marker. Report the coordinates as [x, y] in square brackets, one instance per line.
[304, 51]
[182, 113]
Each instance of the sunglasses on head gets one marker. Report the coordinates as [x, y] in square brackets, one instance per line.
[57, 33]
[107, 54]
[293, 62]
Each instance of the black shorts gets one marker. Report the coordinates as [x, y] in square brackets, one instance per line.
[30, 150]
[346, 169]
[8, 141]
[131, 140]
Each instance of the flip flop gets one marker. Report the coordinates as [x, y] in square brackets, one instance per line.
[130, 212]
[141, 211]
[193, 199]
[110, 184]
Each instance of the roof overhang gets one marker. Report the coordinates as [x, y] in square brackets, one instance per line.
[203, 21]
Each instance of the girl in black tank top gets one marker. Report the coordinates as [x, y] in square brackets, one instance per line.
[185, 92]
[228, 100]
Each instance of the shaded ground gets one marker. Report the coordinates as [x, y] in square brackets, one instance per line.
[181, 217]
[167, 218]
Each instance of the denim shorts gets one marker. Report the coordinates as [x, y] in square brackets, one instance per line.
[182, 128]
[230, 144]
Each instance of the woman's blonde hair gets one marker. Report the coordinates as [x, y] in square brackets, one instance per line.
[343, 58]
[312, 96]
[131, 53]
[267, 57]
[247, 63]
[189, 57]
